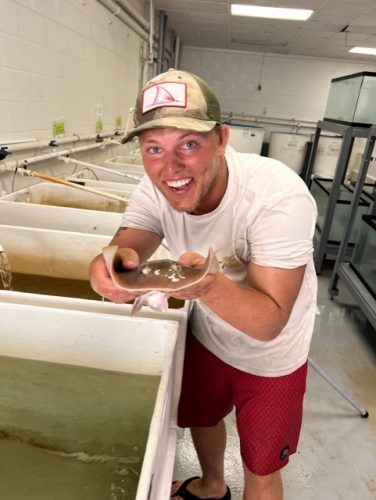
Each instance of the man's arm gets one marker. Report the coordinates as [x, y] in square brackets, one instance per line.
[260, 311]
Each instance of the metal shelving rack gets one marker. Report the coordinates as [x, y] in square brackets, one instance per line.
[323, 246]
[343, 270]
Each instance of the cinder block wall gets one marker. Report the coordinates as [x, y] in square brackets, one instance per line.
[60, 59]
[291, 86]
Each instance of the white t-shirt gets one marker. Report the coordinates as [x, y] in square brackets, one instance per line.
[267, 216]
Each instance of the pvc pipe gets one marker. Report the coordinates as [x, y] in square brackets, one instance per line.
[38, 144]
[151, 34]
[12, 165]
[161, 45]
[1, 249]
[129, 118]
[289, 122]
[177, 52]
[121, 14]
[131, 11]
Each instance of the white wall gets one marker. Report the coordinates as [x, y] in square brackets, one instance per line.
[292, 87]
[60, 58]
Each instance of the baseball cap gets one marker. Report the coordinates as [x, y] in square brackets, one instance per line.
[175, 99]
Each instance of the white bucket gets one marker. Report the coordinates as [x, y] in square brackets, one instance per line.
[327, 154]
[246, 138]
[289, 148]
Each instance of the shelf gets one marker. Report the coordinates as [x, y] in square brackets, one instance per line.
[360, 293]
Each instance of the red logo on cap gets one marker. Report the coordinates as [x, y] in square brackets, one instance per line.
[163, 96]
[172, 94]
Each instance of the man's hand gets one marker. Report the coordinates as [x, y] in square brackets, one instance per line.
[191, 259]
[101, 281]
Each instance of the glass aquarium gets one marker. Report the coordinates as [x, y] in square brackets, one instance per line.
[320, 190]
[363, 260]
[352, 99]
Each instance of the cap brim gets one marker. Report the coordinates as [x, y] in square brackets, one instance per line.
[185, 123]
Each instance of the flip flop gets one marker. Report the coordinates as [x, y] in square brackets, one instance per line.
[187, 495]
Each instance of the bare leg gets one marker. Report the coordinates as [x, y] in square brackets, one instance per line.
[262, 487]
[210, 444]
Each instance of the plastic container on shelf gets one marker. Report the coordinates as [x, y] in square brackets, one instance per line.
[320, 190]
[289, 148]
[363, 260]
[34, 330]
[246, 138]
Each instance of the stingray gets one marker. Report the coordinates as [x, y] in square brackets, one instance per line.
[155, 280]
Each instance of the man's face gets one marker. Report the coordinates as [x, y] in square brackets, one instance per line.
[187, 167]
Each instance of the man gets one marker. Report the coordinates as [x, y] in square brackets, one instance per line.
[251, 323]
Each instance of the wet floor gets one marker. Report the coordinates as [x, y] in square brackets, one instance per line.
[336, 456]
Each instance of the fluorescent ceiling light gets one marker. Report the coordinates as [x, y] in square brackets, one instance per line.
[270, 12]
[364, 50]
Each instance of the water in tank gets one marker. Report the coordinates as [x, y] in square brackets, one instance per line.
[289, 148]
[246, 138]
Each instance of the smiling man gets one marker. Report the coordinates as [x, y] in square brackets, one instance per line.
[251, 322]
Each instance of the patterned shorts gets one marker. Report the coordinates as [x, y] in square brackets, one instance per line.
[268, 409]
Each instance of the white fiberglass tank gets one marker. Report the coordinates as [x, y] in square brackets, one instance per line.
[327, 154]
[289, 148]
[246, 138]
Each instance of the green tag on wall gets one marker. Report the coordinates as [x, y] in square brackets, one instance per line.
[118, 122]
[99, 126]
[58, 128]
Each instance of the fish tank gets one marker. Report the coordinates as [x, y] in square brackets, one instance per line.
[352, 99]
[320, 190]
[363, 260]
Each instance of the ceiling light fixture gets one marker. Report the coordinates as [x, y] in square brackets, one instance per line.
[270, 12]
[364, 50]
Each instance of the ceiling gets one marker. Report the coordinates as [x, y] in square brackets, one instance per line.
[334, 27]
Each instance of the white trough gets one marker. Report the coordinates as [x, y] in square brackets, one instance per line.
[43, 329]
[124, 160]
[126, 188]
[59, 218]
[45, 193]
[130, 175]
[52, 262]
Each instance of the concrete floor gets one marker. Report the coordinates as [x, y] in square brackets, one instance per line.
[336, 459]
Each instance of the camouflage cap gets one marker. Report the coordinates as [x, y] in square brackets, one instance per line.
[175, 99]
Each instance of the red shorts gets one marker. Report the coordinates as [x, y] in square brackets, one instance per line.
[268, 409]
